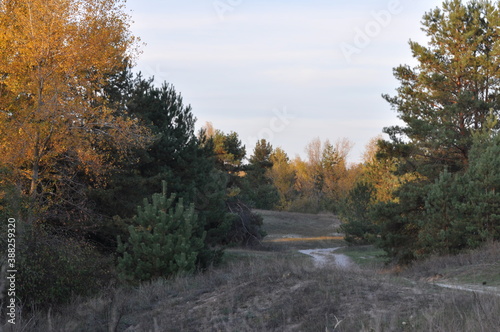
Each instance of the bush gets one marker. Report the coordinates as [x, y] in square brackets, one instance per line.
[161, 240]
[305, 204]
[246, 227]
[53, 268]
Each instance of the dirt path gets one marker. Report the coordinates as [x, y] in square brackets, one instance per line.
[327, 257]
[317, 237]
[471, 288]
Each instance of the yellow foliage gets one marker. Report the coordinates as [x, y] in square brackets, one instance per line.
[55, 56]
[380, 173]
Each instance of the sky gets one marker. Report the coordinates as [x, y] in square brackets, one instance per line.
[286, 71]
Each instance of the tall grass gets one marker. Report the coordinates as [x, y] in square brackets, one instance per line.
[475, 267]
[278, 295]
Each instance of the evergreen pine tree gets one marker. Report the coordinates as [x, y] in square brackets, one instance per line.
[444, 101]
[483, 179]
[355, 213]
[448, 96]
[462, 210]
[458, 211]
[259, 188]
[185, 161]
[161, 240]
[399, 221]
[444, 228]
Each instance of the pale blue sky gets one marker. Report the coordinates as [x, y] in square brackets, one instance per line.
[287, 71]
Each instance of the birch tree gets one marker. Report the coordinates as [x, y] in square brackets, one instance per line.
[55, 57]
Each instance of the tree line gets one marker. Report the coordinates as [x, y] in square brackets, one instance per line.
[441, 194]
[432, 187]
[109, 180]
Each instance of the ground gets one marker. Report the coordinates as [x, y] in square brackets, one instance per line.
[275, 287]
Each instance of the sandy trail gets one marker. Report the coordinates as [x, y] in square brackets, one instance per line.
[327, 257]
[471, 288]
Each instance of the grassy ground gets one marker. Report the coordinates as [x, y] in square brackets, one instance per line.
[477, 267]
[365, 256]
[278, 289]
[278, 295]
[486, 275]
[294, 231]
[289, 224]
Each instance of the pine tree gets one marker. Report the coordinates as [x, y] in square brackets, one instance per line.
[447, 97]
[185, 161]
[258, 185]
[175, 154]
[161, 240]
[462, 210]
[355, 211]
[445, 226]
[230, 153]
[444, 102]
[483, 179]
[458, 211]
[399, 220]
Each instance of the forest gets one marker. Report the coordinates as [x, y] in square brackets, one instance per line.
[108, 182]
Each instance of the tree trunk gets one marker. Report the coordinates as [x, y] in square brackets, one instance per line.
[35, 171]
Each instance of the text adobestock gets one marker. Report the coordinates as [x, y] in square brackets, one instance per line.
[11, 270]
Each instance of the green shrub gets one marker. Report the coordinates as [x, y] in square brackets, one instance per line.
[161, 241]
[462, 209]
[355, 212]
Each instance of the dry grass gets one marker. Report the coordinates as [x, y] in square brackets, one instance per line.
[291, 224]
[281, 295]
[294, 231]
[480, 266]
[297, 239]
[281, 290]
